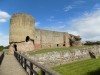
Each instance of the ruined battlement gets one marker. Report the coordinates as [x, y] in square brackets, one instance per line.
[27, 37]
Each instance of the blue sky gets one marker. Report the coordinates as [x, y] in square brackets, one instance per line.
[79, 17]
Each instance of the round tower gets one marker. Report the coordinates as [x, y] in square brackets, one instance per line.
[21, 31]
[21, 26]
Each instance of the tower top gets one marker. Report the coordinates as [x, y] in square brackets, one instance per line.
[21, 26]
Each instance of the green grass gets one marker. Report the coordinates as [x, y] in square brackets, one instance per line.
[1, 50]
[85, 67]
[53, 49]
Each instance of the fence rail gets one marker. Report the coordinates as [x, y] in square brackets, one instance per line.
[1, 57]
[23, 61]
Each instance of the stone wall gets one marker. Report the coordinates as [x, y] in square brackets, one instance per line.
[50, 39]
[22, 28]
[56, 58]
[22, 46]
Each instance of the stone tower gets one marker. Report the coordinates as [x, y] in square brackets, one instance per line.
[22, 31]
[21, 26]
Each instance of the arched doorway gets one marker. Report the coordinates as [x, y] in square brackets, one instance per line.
[27, 38]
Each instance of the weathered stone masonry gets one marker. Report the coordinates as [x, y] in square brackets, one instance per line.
[62, 57]
[22, 28]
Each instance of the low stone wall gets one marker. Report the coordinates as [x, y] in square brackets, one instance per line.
[22, 46]
[56, 58]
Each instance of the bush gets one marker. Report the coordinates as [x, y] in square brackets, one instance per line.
[92, 43]
[2, 47]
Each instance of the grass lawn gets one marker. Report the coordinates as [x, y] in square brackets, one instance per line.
[54, 49]
[85, 67]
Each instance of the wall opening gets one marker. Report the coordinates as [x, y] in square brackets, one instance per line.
[27, 38]
[33, 41]
[15, 47]
[57, 45]
[71, 42]
[63, 44]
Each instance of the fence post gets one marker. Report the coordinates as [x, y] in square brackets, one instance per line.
[1, 58]
[16, 55]
[25, 64]
[31, 67]
[19, 58]
[42, 72]
[22, 61]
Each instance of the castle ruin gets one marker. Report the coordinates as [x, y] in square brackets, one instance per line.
[27, 38]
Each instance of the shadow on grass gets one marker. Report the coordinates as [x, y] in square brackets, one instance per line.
[96, 72]
[92, 54]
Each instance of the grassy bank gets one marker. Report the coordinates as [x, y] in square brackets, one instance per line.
[54, 49]
[0, 50]
[86, 67]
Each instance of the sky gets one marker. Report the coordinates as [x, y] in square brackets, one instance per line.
[78, 17]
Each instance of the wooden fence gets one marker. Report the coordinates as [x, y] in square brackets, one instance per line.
[28, 63]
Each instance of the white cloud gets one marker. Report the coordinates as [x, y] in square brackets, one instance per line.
[88, 26]
[37, 24]
[4, 16]
[2, 20]
[51, 19]
[62, 26]
[74, 4]
[73, 32]
[68, 8]
[97, 6]
[55, 27]
[4, 39]
[79, 2]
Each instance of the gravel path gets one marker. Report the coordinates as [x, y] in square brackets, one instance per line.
[10, 66]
